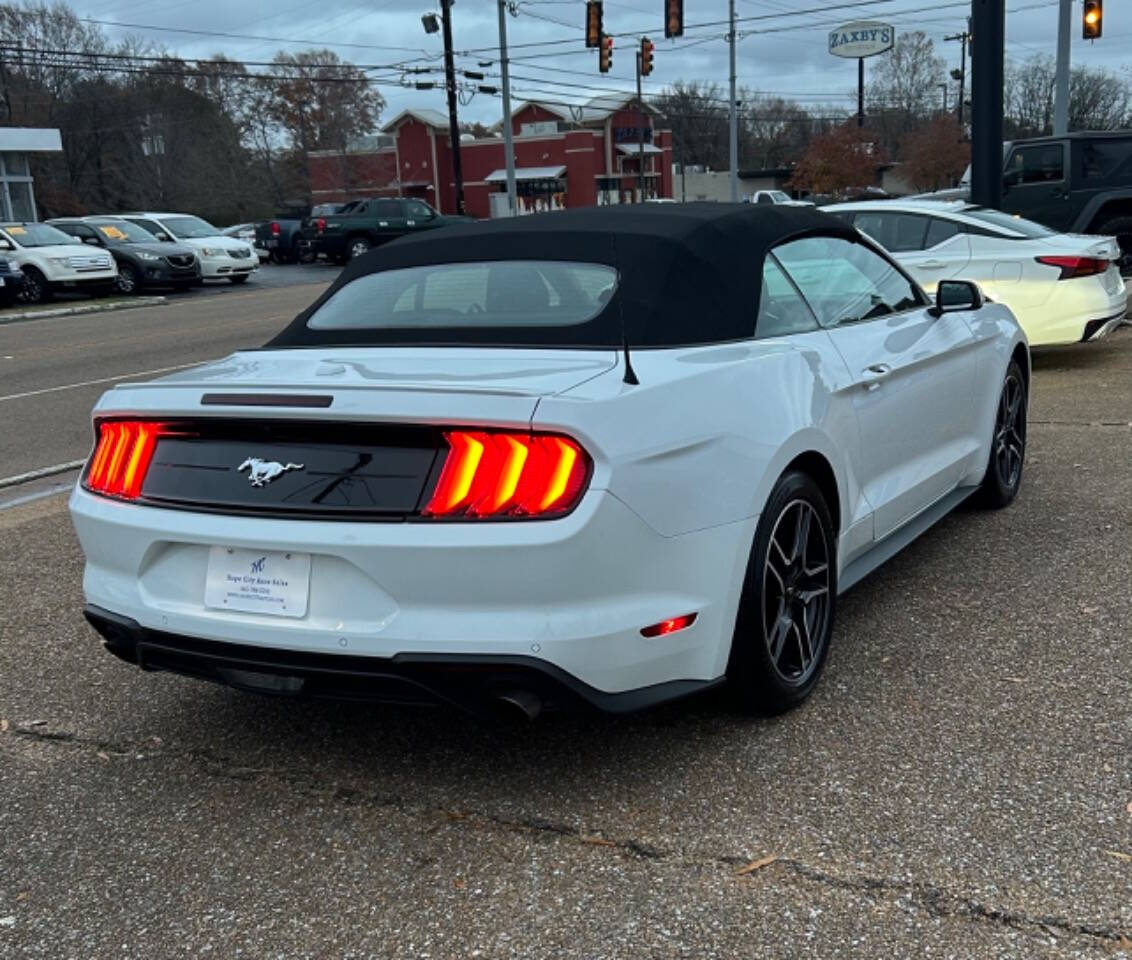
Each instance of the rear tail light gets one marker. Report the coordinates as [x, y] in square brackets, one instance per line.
[320, 223]
[122, 457]
[1072, 267]
[497, 474]
[275, 229]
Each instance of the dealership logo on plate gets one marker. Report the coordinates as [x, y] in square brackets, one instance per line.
[262, 472]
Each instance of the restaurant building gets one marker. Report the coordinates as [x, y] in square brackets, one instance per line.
[564, 157]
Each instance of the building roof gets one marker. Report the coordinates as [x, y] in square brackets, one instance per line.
[430, 118]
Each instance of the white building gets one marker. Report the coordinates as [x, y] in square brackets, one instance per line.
[17, 192]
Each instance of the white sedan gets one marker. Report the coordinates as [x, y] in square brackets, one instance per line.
[601, 457]
[1063, 288]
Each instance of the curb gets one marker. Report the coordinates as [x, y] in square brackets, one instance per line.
[80, 308]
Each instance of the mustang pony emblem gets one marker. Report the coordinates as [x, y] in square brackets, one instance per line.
[262, 472]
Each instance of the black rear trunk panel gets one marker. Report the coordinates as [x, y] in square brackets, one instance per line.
[331, 471]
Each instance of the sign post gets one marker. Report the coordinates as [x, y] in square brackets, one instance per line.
[857, 40]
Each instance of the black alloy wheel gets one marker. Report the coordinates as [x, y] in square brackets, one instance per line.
[359, 246]
[128, 280]
[1121, 228]
[786, 610]
[1008, 442]
[35, 289]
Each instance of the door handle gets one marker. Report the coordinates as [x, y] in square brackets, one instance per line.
[934, 264]
[873, 374]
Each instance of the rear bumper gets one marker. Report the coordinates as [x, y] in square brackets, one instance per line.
[1102, 327]
[473, 682]
[568, 595]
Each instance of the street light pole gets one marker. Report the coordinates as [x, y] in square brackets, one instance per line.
[1061, 76]
[450, 83]
[508, 143]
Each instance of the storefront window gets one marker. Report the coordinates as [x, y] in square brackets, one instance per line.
[16, 195]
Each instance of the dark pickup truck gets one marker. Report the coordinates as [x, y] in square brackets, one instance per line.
[1077, 183]
[363, 224]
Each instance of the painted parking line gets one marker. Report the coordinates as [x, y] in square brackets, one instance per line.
[40, 473]
[91, 383]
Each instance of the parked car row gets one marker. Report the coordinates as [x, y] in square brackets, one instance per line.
[341, 232]
[132, 251]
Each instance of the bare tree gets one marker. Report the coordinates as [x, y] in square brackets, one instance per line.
[697, 115]
[904, 89]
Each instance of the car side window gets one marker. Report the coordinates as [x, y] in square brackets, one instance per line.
[896, 232]
[782, 311]
[416, 210]
[1041, 163]
[386, 209]
[846, 282]
[765, 198]
[147, 225]
[940, 230]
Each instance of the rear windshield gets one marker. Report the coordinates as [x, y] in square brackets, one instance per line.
[1006, 221]
[465, 296]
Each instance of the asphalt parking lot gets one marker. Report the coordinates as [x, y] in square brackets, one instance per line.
[959, 785]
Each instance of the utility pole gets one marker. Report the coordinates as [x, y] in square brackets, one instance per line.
[943, 89]
[450, 83]
[961, 73]
[860, 91]
[1061, 77]
[733, 119]
[508, 143]
[988, 25]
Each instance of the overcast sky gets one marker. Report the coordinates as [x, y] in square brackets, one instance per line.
[780, 52]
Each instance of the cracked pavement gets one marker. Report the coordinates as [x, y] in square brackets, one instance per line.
[959, 785]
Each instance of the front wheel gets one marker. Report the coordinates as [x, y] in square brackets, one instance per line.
[36, 288]
[1008, 442]
[128, 280]
[786, 608]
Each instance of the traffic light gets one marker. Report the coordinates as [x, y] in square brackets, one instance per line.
[647, 49]
[673, 18]
[593, 23]
[1092, 19]
[605, 54]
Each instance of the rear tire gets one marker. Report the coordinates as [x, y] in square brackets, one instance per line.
[1008, 443]
[789, 597]
[357, 247]
[1121, 228]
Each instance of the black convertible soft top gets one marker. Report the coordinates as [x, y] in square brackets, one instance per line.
[688, 273]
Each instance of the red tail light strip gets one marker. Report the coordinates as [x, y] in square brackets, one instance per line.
[1072, 266]
[122, 457]
[499, 474]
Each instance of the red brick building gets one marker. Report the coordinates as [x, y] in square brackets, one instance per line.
[564, 157]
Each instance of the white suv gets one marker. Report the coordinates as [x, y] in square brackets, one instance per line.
[52, 261]
[221, 257]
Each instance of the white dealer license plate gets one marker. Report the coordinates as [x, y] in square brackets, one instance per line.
[258, 581]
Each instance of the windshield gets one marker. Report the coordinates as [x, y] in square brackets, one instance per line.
[189, 228]
[36, 235]
[120, 231]
[1007, 221]
[465, 296]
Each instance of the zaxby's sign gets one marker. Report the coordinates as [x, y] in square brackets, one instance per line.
[862, 38]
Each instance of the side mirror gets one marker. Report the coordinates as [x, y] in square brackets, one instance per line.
[93, 241]
[164, 237]
[954, 295]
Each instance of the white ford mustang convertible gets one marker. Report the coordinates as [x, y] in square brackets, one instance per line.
[600, 457]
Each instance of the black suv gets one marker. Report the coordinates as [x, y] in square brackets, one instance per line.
[142, 261]
[1078, 183]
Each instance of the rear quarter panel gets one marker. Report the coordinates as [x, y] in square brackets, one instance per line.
[702, 439]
